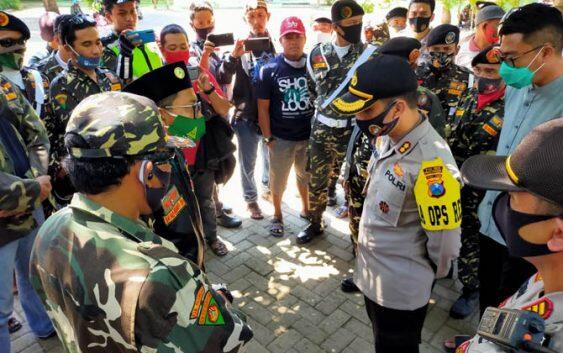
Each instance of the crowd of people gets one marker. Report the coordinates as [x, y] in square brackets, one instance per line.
[113, 150]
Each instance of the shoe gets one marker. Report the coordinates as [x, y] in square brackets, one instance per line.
[52, 334]
[464, 305]
[14, 325]
[331, 200]
[224, 220]
[227, 209]
[348, 286]
[312, 230]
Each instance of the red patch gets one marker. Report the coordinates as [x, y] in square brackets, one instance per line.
[543, 307]
[384, 207]
[463, 347]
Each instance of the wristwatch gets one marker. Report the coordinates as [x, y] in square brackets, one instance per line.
[209, 91]
[267, 140]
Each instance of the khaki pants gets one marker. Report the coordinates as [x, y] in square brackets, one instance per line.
[284, 154]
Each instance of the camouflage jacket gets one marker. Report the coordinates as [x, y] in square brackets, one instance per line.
[67, 90]
[328, 71]
[141, 295]
[29, 91]
[449, 85]
[20, 194]
[380, 34]
[49, 67]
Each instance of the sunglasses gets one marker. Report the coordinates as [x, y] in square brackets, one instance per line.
[9, 42]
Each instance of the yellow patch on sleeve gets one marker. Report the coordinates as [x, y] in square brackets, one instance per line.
[490, 130]
[116, 86]
[438, 197]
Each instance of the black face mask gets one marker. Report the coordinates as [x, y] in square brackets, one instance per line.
[154, 195]
[420, 23]
[440, 61]
[203, 32]
[488, 85]
[352, 34]
[376, 127]
[509, 223]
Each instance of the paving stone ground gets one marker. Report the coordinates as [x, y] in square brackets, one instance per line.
[289, 292]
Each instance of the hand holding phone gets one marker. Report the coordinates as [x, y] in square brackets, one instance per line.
[144, 36]
[257, 45]
[221, 40]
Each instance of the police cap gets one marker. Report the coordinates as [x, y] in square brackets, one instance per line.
[117, 124]
[162, 82]
[371, 82]
[343, 9]
[396, 12]
[12, 23]
[443, 34]
[400, 46]
[535, 165]
[489, 55]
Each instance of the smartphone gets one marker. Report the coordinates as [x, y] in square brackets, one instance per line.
[221, 40]
[145, 35]
[257, 45]
[193, 72]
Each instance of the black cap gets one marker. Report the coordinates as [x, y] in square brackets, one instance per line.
[396, 12]
[162, 82]
[400, 46]
[371, 82]
[535, 166]
[108, 4]
[432, 3]
[323, 20]
[489, 55]
[443, 34]
[12, 23]
[343, 9]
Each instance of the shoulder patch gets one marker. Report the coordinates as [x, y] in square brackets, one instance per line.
[543, 307]
[405, 147]
[210, 312]
[438, 197]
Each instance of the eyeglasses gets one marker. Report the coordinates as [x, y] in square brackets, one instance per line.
[512, 60]
[196, 109]
[9, 42]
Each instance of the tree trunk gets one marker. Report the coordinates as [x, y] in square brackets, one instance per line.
[446, 15]
[51, 5]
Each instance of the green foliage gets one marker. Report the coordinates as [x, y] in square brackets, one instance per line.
[368, 6]
[10, 4]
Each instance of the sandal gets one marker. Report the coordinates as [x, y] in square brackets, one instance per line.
[342, 212]
[304, 216]
[255, 211]
[276, 228]
[14, 325]
[451, 344]
[219, 248]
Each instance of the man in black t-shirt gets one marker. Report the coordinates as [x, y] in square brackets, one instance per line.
[285, 109]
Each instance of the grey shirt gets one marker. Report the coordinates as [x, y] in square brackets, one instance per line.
[397, 259]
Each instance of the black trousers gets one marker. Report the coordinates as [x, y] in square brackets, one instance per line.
[500, 275]
[395, 330]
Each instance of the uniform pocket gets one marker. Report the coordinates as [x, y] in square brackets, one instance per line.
[389, 201]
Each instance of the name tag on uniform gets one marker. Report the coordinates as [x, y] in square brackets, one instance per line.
[438, 197]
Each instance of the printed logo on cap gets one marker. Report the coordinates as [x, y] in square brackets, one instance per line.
[179, 73]
[346, 12]
[493, 56]
[4, 19]
[450, 37]
[292, 24]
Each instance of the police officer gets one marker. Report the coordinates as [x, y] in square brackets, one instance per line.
[360, 146]
[58, 59]
[438, 72]
[116, 155]
[529, 216]
[24, 156]
[124, 52]
[328, 64]
[409, 230]
[14, 34]
[476, 129]
[82, 78]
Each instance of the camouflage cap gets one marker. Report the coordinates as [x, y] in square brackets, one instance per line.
[117, 124]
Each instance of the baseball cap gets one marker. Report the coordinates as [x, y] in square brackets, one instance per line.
[292, 25]
[47, 25]
[535, 166]
[371, 82]
[255, 4]
[118, 124]
[490, 12]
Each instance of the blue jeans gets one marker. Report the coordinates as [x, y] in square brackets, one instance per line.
[16, 255]
[248, 141]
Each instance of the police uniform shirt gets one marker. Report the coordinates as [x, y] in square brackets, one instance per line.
[399, 253]
[529, 297]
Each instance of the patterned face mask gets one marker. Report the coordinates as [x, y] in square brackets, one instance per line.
[440, 61]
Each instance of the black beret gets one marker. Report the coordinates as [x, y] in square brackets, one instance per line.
[489, 55]
[371, 82]
[400, 46]
[12, 23]
[323, 20]
[343, 9]
[396, 12]
[432, 3]
[162, 82]
[443, 34]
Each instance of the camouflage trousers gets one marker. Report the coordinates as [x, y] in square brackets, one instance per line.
[356, 183]
[327, 149]
[468, 261]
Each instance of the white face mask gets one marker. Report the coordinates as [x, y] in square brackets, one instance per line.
[324, 37]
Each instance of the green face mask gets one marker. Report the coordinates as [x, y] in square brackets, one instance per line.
[186, 127]
[518, 77]
[13, 60]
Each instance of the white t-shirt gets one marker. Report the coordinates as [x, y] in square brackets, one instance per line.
[529, 297]
[341, 51]
[466, 53]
